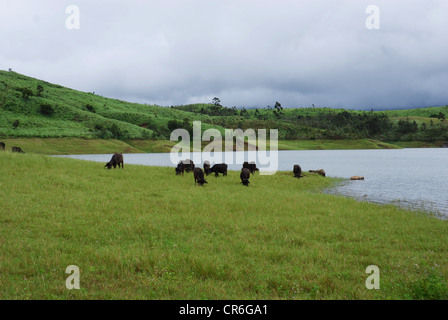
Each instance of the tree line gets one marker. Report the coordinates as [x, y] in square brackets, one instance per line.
[315, 123]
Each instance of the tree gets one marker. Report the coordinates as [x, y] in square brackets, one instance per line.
[243, 112]
[405, 127]
[173, 125]
[216, 101]
[278, 110]
[185, 124]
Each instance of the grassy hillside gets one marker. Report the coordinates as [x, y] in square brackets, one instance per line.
[77, 114]
[32, 108]
[145, 233]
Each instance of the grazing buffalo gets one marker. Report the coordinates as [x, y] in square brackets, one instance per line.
[219, 168]
[356, 178]
[17, 149]
[320, 171]
[207, 167]
[186, 165]
[245, 175]
[252, 166]
[2, 146]
[180, 169]
[199, 176]
[117, 159]
[297, 171]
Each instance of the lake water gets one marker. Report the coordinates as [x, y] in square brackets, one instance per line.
[412, 178]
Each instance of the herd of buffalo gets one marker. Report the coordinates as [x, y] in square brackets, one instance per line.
[188, 165]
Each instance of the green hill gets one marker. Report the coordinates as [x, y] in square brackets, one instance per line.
[33, 108]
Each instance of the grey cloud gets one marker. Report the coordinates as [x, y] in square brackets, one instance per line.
[247, 53]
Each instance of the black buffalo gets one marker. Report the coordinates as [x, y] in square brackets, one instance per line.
[297, 171]
[207, 167]
[117, 159]
[184, 165]
[219, 168]
[17, 149]
[252, 166]
[2, 146]
[245, 175]
[199, 176]
[180, 169]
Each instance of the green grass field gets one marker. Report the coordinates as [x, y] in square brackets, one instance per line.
[144, 233]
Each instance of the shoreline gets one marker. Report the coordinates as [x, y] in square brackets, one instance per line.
[412, 205]
[67, 146]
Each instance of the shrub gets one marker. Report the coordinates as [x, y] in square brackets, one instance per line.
[90, 108]
[26, 93]
[46, 110]
[174, 124]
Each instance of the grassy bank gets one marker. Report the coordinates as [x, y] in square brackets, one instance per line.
[144, 233]
[58, 146]
[418, 144]
[355, 144]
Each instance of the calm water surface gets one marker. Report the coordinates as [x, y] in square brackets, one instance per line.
[412, 178]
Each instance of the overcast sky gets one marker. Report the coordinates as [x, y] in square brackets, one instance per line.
[245, 52]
